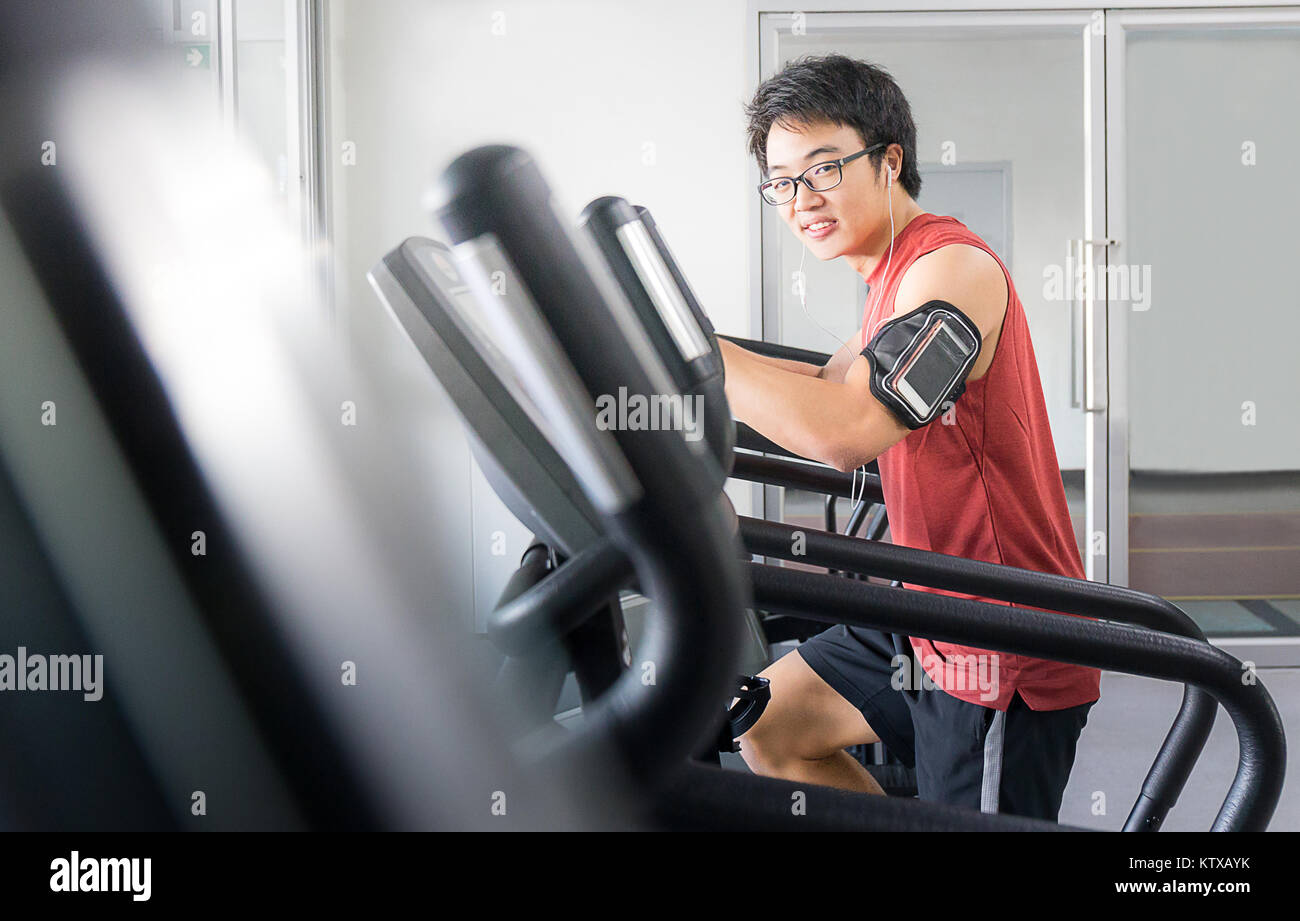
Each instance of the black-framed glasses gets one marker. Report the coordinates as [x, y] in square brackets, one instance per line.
[820, 177]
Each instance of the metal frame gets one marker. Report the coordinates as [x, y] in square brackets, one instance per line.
[1096, 408]
[309, 76]
[227, 62]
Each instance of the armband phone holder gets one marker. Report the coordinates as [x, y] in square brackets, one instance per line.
[919, 361]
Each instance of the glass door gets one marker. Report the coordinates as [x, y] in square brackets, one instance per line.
[1010, 140]
[261, 64]
[1204, 487]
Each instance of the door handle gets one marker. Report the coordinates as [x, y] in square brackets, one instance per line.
[1076, 362]
[1082, 381]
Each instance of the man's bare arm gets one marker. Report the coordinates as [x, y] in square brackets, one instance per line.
[827, 421]
[834, 370]
[785, 364]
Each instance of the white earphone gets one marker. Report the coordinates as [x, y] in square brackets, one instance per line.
[803, 302]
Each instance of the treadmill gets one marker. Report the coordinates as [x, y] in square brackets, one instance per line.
[665, 305]
[569, 333]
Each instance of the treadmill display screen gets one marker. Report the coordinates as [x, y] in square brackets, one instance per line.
[662, 289]
[443, 276]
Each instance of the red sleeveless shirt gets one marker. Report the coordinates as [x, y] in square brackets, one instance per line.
[982, 482]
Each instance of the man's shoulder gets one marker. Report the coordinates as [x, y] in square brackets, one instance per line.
[962, 274]
[959, 263]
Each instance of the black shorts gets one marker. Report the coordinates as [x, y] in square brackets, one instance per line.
[1015, 762]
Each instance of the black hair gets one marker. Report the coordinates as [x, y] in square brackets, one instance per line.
[843, 91]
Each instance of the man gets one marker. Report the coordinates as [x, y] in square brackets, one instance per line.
[941, 387]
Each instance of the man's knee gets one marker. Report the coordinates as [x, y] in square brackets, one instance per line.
[804, 721]
[768, 750]
[771, 743]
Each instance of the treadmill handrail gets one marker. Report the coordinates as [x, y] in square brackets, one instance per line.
[814, 477]
[750, 440]
[553, 607]
[776, 350]
[977, 577]
[550, 609]
[1191, 727]
[1257, 785]
[540, 609]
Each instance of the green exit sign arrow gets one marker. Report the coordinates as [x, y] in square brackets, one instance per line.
[196, 56]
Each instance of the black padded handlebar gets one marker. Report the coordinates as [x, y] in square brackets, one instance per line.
[793, 474]
[1255, 789]
[1191, 728]
[774, 350]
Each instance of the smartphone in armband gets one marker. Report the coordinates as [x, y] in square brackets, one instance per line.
[933, 365]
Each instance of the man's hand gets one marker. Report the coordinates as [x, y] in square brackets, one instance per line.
[835, 369]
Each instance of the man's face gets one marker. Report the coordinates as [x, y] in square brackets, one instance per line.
[844, 219]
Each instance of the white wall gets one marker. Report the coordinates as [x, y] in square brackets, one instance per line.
[624, 99]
